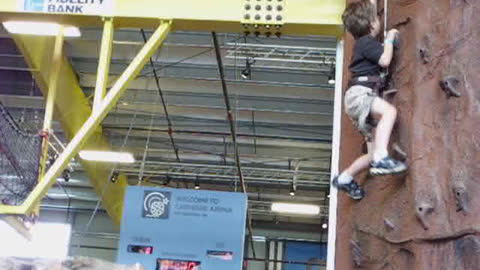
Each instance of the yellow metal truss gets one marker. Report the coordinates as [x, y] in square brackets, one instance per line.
[300, 17]
[81, 122]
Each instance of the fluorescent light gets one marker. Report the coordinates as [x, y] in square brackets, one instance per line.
[49, 240]
[259, 238]
[40, 28]
[294, 208]
[107, 156]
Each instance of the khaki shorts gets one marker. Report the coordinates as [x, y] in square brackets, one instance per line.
[358, 104]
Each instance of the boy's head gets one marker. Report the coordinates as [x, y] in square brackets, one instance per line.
[360, 19]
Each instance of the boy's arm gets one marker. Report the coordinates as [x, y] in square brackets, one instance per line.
[387, 55]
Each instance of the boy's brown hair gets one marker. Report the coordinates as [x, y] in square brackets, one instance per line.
[358, 18]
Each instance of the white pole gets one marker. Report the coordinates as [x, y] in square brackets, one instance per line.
[337, 123]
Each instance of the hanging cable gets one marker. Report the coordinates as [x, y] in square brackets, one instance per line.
[160, 93]
[145, 151]
[233, 132]
[385, 21]
[112, 171]
[385, 18]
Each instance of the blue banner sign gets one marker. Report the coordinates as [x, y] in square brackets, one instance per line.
[182, 229]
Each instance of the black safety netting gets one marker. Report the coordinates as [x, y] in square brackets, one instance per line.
[19, 160]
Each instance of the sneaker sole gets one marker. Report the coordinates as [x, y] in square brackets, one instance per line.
[335, 184]
[355, 198]
[380, 171]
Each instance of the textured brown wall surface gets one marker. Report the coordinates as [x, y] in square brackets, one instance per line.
[430, 217]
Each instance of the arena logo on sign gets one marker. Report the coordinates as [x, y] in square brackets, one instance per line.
[156, 204]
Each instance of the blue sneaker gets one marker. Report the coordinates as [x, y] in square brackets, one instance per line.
[387, 165]
[352, 189]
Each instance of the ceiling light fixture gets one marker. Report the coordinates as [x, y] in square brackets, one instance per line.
[40, 28]
[197, 183]
[247, 72]
[331, 80]
[292, 191]
[295, 208]
[107, 156]
[331, 77]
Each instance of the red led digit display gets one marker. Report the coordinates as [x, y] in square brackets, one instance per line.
[165, 264]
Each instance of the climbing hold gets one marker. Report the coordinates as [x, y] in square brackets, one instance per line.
[466, 251]
[461, 196]
[422, 211]
[390, 226]
[357, 255]
[396, 147]
[403, 22]
[424, 55]
[389, 92]
[449, 84]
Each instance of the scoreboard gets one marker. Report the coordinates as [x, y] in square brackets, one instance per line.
[182, 229]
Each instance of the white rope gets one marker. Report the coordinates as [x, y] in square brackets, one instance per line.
[385, 17]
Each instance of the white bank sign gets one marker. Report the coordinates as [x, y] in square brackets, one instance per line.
[88, 7]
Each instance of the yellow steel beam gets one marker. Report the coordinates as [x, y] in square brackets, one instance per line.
[112, 199]
[103, 63]
[72, 109]
[18, 225]
[299, 17]
[50, 104]
[52, 94]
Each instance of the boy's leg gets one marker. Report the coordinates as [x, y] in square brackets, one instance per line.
[345, 180]
[357, 166]
[382, 163]
[386, 114]
[360, 164]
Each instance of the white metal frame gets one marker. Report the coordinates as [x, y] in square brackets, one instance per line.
[337, 124]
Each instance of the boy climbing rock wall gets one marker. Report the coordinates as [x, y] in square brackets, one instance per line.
[427, 219]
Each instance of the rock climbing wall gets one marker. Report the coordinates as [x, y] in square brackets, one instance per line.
[430, 217]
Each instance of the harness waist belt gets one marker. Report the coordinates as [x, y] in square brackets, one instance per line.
[367, 79]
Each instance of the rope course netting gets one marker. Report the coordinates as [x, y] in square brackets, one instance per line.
[19, 160]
